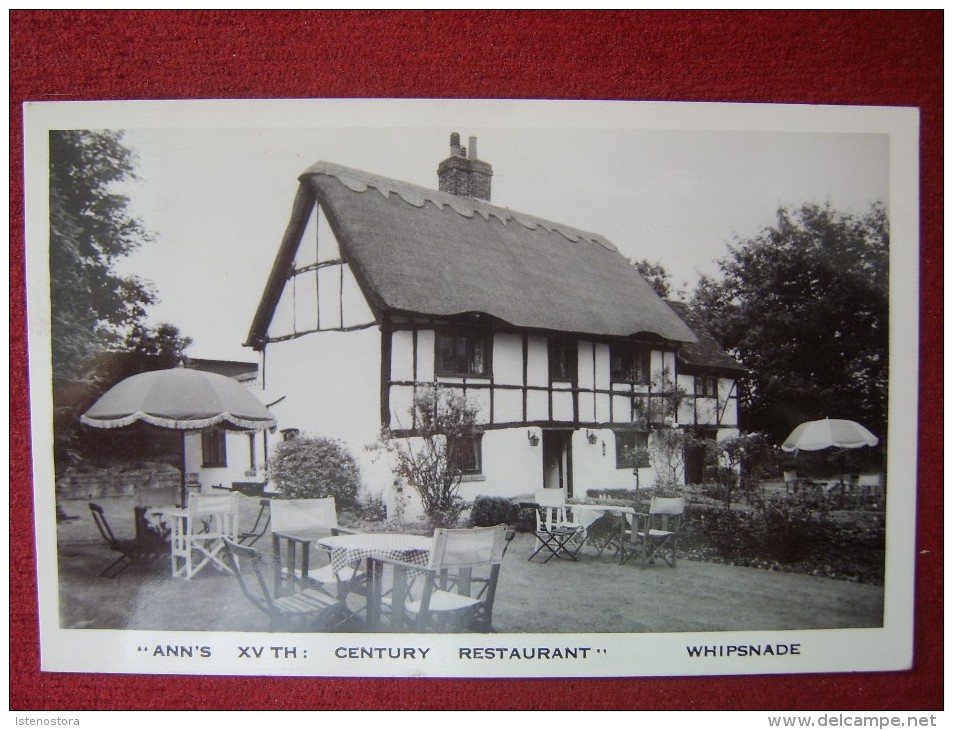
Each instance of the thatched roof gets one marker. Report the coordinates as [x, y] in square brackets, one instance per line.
[419, 251]
[706, 352]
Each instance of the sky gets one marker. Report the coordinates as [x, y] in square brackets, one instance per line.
[218, 196]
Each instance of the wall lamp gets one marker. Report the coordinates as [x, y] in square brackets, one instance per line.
[591, 437]
[533, 438]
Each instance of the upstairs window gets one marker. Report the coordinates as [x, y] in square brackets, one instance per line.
[706, 386]
[213, 448]
[563, 360]
[629, 363]
[462, 354]
[466, 454]
[631, 450]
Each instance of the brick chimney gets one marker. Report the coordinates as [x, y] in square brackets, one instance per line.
[462, 173]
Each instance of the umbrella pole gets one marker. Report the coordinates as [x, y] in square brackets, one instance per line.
[183, 470]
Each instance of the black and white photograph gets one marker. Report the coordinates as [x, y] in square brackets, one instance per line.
[473, 388]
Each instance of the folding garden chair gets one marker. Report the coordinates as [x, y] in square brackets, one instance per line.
[145, 549]
[556, 534]
[459, 582]
[307, 610]
[199, 530]
[297, 523]
[655, 534]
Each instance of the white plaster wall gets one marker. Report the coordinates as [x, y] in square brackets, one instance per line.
[426, 340]
[537, 365]
[686, 408]
[510, 464]
[508, 359]
[707, 411]
[402, 355]
[331, 381]
[537, 405]
[593, 469]
[508, 406]
[237, 458]
[584, 371]
[730, 417]
[562, 404]
[621, 409]
[727, 394]
[587, 407]
[662, 368]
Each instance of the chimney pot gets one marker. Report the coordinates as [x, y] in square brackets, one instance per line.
[463, 174]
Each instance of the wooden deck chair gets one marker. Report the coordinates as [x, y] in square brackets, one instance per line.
[655, 534]
[307, 610]
[199, 530]
[556, 534]
[144, 549]
[459, 583]
[308, 516]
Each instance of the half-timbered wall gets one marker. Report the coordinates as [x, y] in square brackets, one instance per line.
[519, 389]
[698, 408]
[320, 292]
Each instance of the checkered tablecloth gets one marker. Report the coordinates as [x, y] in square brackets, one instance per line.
[349, 549]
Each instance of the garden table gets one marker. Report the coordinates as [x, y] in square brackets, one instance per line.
[293, 540]
[621, 513]
[374, 547]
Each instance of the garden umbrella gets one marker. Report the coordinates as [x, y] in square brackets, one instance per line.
[828, 432]
[181, 399]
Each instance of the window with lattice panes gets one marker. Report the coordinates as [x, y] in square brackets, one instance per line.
[462, 354]
[563, 360]
[466, 454]
[213, 448]
[629, 363]
[631, 450]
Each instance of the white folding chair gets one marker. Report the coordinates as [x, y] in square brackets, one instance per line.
[198, 532]
[556, 533]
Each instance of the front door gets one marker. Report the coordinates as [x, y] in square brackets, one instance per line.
[557, 460]
[696, 457]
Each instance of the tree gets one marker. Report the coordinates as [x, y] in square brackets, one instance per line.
[656, 275]
[429, 460]
[804, 305]
[98, 334]
[90, 229]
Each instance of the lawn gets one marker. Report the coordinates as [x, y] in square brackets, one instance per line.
[595, 594]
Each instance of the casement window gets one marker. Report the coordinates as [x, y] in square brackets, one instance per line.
[629, 363]
[631, 449]
[462, 354]
[466, 454]
[563, 360]
[213, 448]
[706, 386]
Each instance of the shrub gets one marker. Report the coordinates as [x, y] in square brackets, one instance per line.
[310, 467]
[788, 536]
[490, 511]
[372, 508]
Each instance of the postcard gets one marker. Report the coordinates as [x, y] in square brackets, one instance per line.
[469, 388]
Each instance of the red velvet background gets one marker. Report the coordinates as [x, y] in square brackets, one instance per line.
[812, 57]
